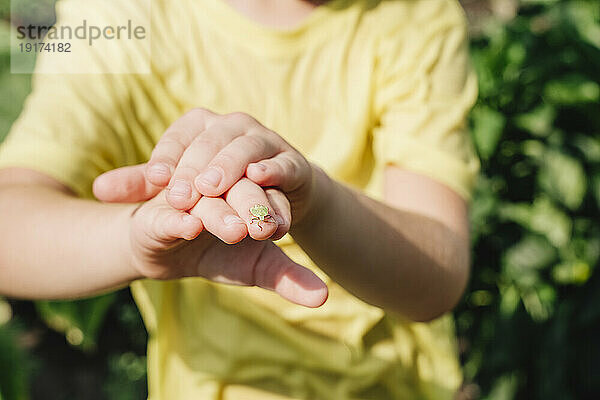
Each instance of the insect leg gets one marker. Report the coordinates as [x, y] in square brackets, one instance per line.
[270, 216]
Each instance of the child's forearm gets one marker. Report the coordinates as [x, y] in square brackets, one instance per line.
[55, 246]
[397, 260]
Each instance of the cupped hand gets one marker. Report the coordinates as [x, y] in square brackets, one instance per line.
[219, 215]
[206, 154]
[170, 244]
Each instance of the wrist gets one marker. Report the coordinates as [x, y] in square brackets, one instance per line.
[320, 192]
[124, 245]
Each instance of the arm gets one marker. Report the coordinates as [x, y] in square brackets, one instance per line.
[409, 254]
[55, 245]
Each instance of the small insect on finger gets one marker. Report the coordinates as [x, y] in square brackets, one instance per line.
[259, 213]
[255, 219]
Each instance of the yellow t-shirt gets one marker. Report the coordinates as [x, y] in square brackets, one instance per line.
[355, 86]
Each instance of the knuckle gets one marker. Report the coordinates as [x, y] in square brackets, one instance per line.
[277, 196]
[193, 121]
[258, 130]
[289, 167]
[271, 139]
[225, 159]
[251, 143]
[168, 145]
[152, 230]
[156, 225]
[199, 112]
[240, 118]
[205, 145]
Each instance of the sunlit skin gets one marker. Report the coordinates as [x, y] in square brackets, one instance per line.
[418, 236]
[408, 253]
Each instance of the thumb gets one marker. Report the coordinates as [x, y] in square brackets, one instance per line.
[274, 270]
[157, 226]
[124, 185]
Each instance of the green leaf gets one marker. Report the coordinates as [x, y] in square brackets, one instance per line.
[79, 320]
[541, 217]
[509, 301]
[563, 177]
[589, 146]
[5, 311]
[15, 365]
[522, 260]
[571, 90]
[126, 378]
[483, 208]
[585, 17]
[571, 272]
[539, 301]
[596, 188]
[585, 249]
[481, 298]
[533, 148]
[488, 125]
[505, 388]
[539, 121]
[531, 253]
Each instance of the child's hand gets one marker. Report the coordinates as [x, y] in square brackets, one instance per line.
[204, 153]
[158, 251]
[219, 215]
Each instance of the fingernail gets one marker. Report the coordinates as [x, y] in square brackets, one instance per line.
[232, 219]
[181, 189]
[160, 169]
[211, 177]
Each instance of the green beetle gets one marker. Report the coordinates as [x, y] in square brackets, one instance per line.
[259, 213]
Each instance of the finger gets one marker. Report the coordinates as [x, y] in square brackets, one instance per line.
[287, 170]
[180, 225]
[167, 225]
[242, 197]
[220, 219]
[275, 271]
[282, 211]
[182, 193]
[230, 163]
[174, 142]
[124, 185]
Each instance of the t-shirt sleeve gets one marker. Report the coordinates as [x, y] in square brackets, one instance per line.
[73, 125]
[425, 88]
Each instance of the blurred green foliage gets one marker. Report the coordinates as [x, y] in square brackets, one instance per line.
[79, 320]
[528, 323]
[14, 87]
[14, 382]
[531, 315]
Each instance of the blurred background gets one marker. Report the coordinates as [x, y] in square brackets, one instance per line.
[529, 324]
